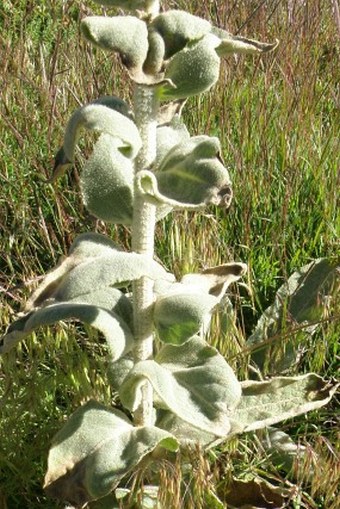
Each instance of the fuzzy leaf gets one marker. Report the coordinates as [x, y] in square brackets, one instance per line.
[177, 28]
[107, 182]
[180, 316]
[94, 450]
[215, 280]
[94, 262]
[300, 301]
[242, 45]
[193, 70]
[186, 433]
[115, 330]
[192, 172]
[126, 35]
[193, 381]
[169, 136]
[265, 403]
[102, 116]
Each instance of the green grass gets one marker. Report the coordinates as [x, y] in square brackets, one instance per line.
[278, 120]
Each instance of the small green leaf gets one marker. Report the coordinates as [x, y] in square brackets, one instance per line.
[266, 403]
[177, 28]
[94, 450]
[193, 70]
[126, 35]
[180, 316]
[107, 182]
[193, 381]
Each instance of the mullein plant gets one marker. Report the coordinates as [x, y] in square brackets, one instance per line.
[175, 387]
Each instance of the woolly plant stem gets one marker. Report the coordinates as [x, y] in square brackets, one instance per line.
[143, 229]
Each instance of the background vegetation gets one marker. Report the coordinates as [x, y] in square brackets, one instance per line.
[278, 121]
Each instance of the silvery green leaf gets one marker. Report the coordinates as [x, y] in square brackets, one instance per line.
[186, 433]
[118, 370]
[179, 316]
[192, 172]
[266, 403]
[169, 136]
[109, 298]
[301, 301]
[94, 450]
[215, 280]
[94, 263]
[192, 380]
[237, 44]
[117, 269]
[100, 116]
[177, 28]
[126, 35]
[147, 184]
[107, 182]
[117, 334]
[193, 70]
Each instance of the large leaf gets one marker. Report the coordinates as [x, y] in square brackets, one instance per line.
[301, 301]
[266, 403]
[94, 263]
[126, 35]
[193, 381]
[115, 330]
[110, 116]
[94, 450]
[107, 182]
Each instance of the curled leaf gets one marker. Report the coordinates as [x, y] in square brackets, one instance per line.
[177, 28]
[117, 334]
[126, 35]
[107, 182]
[193, 70]
[94, 450]
[215, 280]
[102, 118]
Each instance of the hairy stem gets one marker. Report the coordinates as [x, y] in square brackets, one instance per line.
[143, 228]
